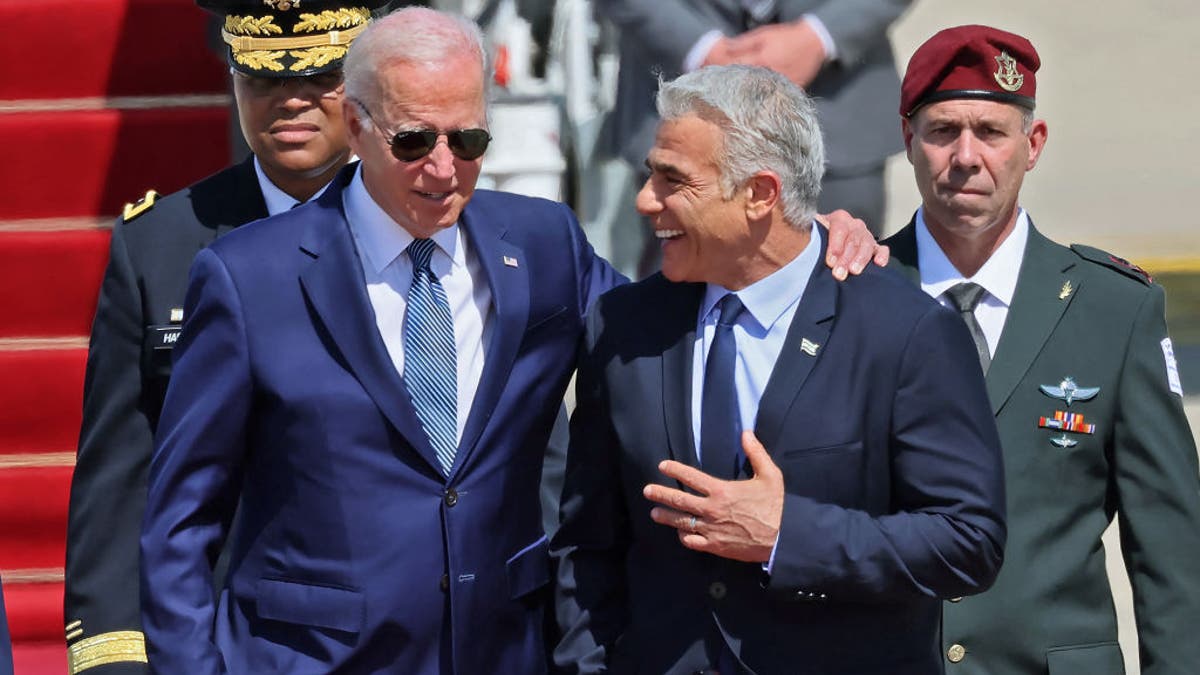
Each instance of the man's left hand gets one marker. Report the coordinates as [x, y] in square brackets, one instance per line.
[792, 49]
[737, 519]
[851, 245]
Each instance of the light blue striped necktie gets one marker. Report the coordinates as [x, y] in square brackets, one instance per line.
[430, 362]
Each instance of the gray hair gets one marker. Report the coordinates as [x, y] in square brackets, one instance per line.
[413, 35]
[768, 123]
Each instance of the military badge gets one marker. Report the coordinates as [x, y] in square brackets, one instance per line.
[1068, 392]
[1065, 421]
[1006, 73]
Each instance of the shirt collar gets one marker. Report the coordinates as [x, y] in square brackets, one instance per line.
[767, 299]
[277, 200]
[382, 238]
[998, 276]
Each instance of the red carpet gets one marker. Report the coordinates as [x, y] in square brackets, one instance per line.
[110, 98]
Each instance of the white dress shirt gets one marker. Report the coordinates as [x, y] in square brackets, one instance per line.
[770, 304]
[998, 276]
[387, 269]
[277, 200]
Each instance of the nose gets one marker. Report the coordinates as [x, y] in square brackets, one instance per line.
[293, 95]
[440, 162]
[966, 151]
[647, 202]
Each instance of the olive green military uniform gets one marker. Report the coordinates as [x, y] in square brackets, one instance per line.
[1120, 447]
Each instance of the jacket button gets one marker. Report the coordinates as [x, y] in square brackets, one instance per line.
[956, 653]
[717, 590]
[444, 582]
[451, 497]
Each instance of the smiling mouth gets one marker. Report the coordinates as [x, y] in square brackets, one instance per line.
[434, 196]
[668, 234]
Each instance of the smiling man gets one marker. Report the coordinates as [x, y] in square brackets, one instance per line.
[867, 483]
[289, 105]
[1081, 378]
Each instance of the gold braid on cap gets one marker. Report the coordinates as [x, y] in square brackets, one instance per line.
[310, 51]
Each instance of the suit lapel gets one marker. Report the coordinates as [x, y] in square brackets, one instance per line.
[680, 314]
[334, 285]
[812, 324]
[1037, 306]
[509, 284]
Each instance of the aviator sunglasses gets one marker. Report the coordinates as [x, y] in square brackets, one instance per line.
[409, 146]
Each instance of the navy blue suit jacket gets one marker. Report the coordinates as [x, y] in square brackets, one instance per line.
[6, 665]
[893, 479]
[353, 552]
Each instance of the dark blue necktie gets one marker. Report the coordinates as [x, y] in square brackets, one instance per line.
[720, 421]
[430, 361]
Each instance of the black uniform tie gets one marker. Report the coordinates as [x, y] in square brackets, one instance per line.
[965, 297]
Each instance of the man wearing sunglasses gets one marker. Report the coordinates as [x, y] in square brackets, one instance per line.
[374, 376]
[289, 103]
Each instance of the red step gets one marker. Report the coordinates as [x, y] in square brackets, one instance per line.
[40, 658]
[35, 612]
[41, 404]
[49, 281]
[92, 162]
[33, 519]
[85, 48]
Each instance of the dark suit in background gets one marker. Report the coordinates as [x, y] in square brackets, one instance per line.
[1051, 610]
[6, 666]
[129, 365]
[854, 94]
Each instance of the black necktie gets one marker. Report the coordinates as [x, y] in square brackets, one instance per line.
[720, 421]
[965, 297]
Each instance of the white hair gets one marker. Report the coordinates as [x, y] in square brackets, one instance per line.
[412, 35]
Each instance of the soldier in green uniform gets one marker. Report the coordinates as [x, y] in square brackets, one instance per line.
[286, 60]
[1081, 377]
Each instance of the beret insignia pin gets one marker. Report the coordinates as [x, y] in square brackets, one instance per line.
[1006, 74]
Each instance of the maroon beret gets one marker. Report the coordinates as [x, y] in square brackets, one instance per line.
[971, 62]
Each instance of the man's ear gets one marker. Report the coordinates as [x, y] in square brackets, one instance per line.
[762, 194]
[354, 123]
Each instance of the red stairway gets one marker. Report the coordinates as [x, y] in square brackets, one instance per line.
[100, 101]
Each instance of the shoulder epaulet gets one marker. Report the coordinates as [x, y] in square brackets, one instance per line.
[1113, 262]
[143, 205]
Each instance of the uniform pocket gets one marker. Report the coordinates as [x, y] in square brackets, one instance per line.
[1102, 658]
[305, 604]
[529, 569]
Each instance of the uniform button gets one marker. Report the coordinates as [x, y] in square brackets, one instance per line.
[717, 590]
[444, 583]
[451, 497]
[959, 599]
[956, 653]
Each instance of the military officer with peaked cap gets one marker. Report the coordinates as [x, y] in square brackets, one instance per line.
[1081, 377]
[286, 58]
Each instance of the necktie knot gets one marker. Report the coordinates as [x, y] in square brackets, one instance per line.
[420, 251]
[729, 308]
[965, 296]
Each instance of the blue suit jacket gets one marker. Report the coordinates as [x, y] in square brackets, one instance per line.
[353, 552]
[6, 665]
[893, 478]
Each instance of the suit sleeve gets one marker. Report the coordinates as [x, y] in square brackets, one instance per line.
[944, 535]
[108, 487]
[858, 26]
[195, 473]
[664, 29]
[1158, 493]
[593, 536]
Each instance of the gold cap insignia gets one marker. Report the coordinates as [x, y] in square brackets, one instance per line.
[281, 5]
[1006, 74]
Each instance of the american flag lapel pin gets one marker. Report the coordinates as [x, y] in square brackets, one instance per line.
[510, 261]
